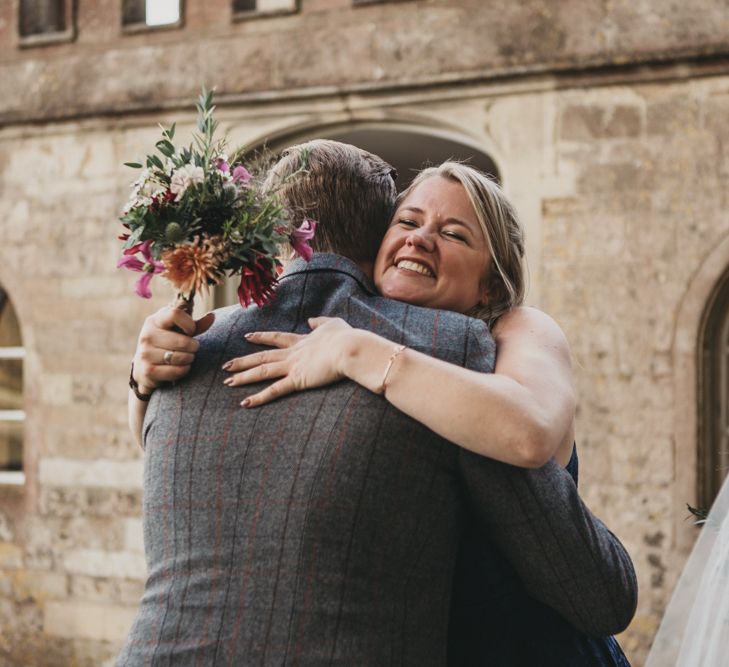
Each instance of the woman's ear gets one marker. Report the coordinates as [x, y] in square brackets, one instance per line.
[485, 292]
[484, 297]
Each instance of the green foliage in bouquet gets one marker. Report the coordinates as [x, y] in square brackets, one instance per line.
[196, 214]
[699, 512]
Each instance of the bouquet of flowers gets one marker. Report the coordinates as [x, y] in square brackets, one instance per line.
[196, 214]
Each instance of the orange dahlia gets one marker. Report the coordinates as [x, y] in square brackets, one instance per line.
[192, 267]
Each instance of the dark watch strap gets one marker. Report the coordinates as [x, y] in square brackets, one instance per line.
[134, 386]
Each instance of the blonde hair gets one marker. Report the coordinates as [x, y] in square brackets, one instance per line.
[502, 230]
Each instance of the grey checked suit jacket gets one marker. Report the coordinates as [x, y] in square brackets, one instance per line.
[323, 528]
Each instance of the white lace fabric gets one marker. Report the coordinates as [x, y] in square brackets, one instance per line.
[694, 631]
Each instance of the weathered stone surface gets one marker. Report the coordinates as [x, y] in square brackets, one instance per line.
[586, 123]
[105, 590]
[333, 43]
[86, 441]
[11, 556]
[87, 620]
[74, 502]
[105, 474]
[6, 531]
[102, 563]
[39, 585]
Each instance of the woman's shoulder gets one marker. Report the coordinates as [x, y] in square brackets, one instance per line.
[529, 321]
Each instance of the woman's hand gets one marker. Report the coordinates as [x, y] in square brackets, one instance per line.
[165, 348]
[302, 361]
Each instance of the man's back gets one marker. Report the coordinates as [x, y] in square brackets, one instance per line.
[319, 528]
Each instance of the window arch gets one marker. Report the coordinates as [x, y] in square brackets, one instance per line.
[713, 454]
[12, 415]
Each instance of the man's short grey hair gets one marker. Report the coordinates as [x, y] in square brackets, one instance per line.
[351, 194]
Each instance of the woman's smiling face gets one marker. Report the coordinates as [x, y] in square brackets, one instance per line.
[434, 254]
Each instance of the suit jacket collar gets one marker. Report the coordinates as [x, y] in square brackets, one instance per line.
[324, 261]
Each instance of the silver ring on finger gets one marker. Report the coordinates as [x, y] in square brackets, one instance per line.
[168, 357]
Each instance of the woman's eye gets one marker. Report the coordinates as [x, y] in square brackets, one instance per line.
[407, 222]
[454, 235]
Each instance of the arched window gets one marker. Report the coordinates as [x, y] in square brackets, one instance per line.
[713, 455]
[12, 415]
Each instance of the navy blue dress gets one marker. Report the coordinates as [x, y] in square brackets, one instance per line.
[491, 611]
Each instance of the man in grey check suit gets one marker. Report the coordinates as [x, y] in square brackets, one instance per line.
[323, 528]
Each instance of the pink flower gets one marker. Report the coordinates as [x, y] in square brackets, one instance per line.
[133, 250]
[149, 267]
[300, 238]
[241, 175]
[221, 164]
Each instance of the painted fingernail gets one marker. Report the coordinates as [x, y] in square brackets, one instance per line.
[228, 381]
[227, 365]
[246, 403]
[250, 334]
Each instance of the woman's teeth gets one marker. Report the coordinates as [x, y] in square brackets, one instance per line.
[414, 266]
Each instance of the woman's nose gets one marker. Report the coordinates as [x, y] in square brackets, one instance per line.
[421, 238]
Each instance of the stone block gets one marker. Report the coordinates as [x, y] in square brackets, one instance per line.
[11, 556]
[56, 389]
[133, 536]
[87, 621]
[91, 440]
[623, 122]
[6, 531]
[324, 5]
[6, 584]
[39, 585]
[95, 390]
[102, 473]
[98, 287]
[319, 55]
[98, 563]
[581, 123]
[40, 557]
[82, 532]
[650, 463]
[89, 502]
[234, 68]
[587, 123]
[672, 117]
[106, 590]
[30, 646]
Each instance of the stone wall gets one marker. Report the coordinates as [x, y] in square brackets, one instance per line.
[71, 562]
[620, 175]
[620, 253]
[334, 44]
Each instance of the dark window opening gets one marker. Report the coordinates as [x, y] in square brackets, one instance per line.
[12, 415]
[40, 17]
[151, 13]
[713, 454]
[244, 5]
